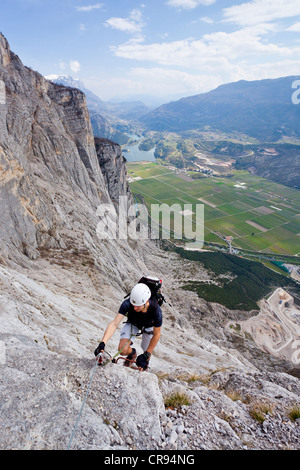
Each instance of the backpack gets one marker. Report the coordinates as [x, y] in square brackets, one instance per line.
[154, 285]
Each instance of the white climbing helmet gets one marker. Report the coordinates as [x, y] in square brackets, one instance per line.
[140, 294]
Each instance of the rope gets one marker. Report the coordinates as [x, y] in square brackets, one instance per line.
[89, 386]
[82, 406]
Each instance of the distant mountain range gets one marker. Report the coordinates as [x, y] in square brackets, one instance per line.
[127, 110]
[109, 120]
[262, 109]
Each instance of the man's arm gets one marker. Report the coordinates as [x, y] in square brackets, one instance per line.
[111, 328]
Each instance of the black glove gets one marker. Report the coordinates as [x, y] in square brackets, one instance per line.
[143, 360]
[100, 348]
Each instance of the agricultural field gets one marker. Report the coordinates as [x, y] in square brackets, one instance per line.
[260, 215]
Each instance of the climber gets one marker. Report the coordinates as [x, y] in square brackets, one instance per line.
[144, 317]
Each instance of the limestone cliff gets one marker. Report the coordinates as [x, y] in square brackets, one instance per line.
[112, 164]
[51, 179]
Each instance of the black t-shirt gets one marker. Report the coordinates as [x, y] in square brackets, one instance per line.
[153, 316]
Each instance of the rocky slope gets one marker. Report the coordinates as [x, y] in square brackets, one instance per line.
[52, 317]
[60, 285]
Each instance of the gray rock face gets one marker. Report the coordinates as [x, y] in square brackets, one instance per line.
[51, 180]
[43, 412]
[112, 164]
[60, 285]
[49, 164]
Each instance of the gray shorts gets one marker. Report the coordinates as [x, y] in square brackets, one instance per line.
[129, 330]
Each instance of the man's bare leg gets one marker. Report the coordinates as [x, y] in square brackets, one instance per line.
[125, 343]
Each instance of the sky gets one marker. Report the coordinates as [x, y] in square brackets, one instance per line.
[166, 49]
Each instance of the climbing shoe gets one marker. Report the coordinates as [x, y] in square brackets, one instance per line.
[130, 358]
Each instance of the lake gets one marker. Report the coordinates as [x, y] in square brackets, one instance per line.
[136, 155]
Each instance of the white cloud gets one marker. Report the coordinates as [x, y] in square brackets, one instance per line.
[166, 84]
[294, 28]
[256, 11]
[215, 47]
[170, 83]
[272, 69]
[192, 66]
[90, 7]
[74, 65]
[161, 81]
[195, 65]
[189, 4]
[206, 19]
[133, 24]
